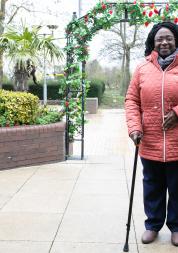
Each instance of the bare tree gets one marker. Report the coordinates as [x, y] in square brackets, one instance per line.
[94, 70]
[108, 75]
[118, 47]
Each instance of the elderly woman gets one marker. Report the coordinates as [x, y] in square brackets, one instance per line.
[152, 118]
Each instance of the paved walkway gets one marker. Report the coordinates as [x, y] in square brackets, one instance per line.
[78, 206]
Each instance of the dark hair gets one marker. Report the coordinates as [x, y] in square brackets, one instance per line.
[149, 44]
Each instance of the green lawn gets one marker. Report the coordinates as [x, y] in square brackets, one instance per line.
[112, 99]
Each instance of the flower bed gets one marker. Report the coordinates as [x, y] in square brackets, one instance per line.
[32, 145]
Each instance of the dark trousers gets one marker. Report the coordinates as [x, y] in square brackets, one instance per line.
[158, 179]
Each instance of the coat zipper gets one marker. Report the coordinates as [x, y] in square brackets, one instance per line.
[164, 133]
[163, 112]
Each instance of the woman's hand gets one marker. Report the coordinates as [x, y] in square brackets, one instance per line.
[170, 120]
[136, 137]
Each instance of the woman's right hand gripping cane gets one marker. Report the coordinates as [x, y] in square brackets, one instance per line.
[136, 137]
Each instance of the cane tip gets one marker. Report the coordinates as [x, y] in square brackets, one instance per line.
[126, 248]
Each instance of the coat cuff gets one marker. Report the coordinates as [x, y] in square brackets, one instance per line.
[175, 109]
[131, 131]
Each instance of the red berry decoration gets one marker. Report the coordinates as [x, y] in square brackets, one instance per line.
[103, 6]
[67, 103]
[150, 14]
[176, 20]
[156, 11]
[167, 7]
[86, 19]
[146, 23]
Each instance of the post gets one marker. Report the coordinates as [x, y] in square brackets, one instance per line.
[67, 109]
[79, 8]
[44, 76]
[83, 109]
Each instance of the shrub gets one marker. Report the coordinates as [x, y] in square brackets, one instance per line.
[37, 90]
[17, 108]
[96, 89]
[52, 90]
[8, 86]
[46, 116]
[55, 88]
[103, 87]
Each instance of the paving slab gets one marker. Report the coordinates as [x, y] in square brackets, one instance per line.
[98, 203]
[24, 247]
[60, 247]
[104, 187]
[59, 171]
[12, 180]
[28, 226]
[48, 186]
[161, 248]
[108, 227]
[102, 172]
[4, 198]
[37, 203]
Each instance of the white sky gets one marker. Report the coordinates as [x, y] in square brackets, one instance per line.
[62, 13]
[52, 12]
[59, 12]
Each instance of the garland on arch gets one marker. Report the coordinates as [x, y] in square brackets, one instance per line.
[103, 16]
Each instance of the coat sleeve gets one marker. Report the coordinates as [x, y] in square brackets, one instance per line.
[175, 109]
[133, 104]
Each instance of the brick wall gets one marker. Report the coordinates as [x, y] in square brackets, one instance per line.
[31, 145]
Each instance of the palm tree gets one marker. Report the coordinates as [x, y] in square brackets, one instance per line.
[24, 48]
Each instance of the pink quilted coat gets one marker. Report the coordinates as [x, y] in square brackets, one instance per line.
[152, 93]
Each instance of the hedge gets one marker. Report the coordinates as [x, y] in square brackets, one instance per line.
[37, 90]
[96, 89]
[7, 86]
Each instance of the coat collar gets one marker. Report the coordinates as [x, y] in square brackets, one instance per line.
[153, 57]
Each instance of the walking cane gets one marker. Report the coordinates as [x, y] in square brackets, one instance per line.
[126, 246]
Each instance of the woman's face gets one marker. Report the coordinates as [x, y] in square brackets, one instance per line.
[164, 42]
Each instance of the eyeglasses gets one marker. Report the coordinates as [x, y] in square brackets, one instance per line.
[167, 38]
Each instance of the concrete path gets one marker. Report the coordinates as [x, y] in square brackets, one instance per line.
[78, 206]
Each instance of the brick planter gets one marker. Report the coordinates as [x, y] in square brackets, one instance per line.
[32, 145]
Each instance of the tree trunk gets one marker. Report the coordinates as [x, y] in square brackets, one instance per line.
[127, 70]
[125, 79]
[122, 80]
